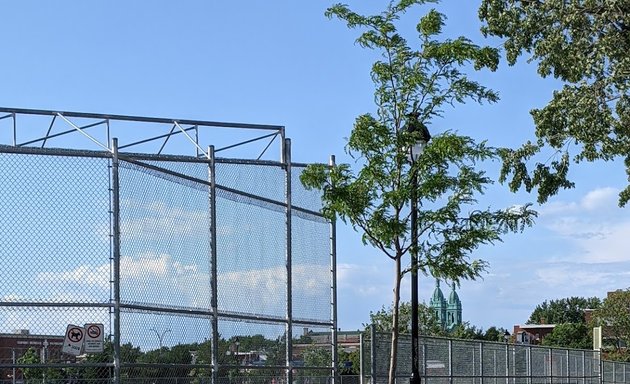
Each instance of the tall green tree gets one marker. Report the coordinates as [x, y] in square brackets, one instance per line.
[585, 44]
[569, 335]
[567, 310]
[614, 318]
[412, 87]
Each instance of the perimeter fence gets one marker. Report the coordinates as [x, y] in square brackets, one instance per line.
[455, 361]
[196, 269]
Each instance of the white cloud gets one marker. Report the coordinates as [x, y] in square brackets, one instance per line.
[597, 199]
[600, 198]
[159, 279]
[159, 220]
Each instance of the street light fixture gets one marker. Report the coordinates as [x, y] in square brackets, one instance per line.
[160, 337]
[422, 135]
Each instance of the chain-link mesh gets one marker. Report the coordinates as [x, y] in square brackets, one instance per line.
[448, 361]
[54, 232]
[62, 266]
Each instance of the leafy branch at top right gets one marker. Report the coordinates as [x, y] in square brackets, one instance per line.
[585, 44]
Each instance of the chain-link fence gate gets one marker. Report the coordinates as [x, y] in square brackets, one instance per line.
[200, 269]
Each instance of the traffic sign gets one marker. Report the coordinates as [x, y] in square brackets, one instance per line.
[73, 342]
[93, 338]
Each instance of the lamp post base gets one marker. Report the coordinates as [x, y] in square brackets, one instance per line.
[414, 378]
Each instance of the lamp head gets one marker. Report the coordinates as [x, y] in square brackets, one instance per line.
[420, 131]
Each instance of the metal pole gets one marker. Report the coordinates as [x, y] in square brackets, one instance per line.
[450, 361]
[333, 289]
[529, 365]
[14, 129]
[507, 363]
[213, 266]
[289, 251]
[372, 354]
[584, 367]
[160, 338]
[13, 369]
[361, 357]
[415, 375]
[116, 255]
[568, 367]
[551, 365]
[480, 361]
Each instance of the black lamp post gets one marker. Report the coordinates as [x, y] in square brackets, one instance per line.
[422, 136]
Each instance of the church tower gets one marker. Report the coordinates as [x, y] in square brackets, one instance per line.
[438, 304]
[454, 309]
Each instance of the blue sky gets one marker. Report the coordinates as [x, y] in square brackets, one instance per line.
[284, 63]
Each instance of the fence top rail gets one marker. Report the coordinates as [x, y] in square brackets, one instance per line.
[144, 119]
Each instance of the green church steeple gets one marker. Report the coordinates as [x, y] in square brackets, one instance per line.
[438, 304]
[448, 313]
[454, 309]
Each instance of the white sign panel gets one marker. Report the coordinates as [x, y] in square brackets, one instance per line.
[93, 338]
[73, 342]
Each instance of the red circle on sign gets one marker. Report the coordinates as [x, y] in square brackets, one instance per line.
[75, 334]
[94, 331]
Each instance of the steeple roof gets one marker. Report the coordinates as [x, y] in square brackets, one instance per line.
[453, 299]
[438, 300]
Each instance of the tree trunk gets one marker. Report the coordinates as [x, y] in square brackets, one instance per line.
[393, 358]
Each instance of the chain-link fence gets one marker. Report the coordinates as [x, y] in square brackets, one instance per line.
[199, 269]
[454, 361]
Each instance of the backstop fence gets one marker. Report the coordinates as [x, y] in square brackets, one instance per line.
[455, 361]
[176, 268]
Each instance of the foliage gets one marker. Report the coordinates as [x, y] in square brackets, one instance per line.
[31, 356]
[349, 362]
[585, 44]
[569, 335]
[428, 323]
[495, 334]
[567, 310]
[614, 317]
[37, 375]
[412, 87]
[471, 332]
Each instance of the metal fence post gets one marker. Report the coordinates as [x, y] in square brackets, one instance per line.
[289, 251]
[568, 367]
[361, 357]
[530, 371]
[372, 354]
[214, 301]
[507, 363]
[481, 361]
[333, 289]
[116, 256]
[551, 365]
[450, 361]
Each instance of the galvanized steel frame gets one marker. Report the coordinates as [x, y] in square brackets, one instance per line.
[112, 152]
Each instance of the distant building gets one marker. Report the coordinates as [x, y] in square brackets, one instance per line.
[531, 333]
[448, 313]
[14, 345]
